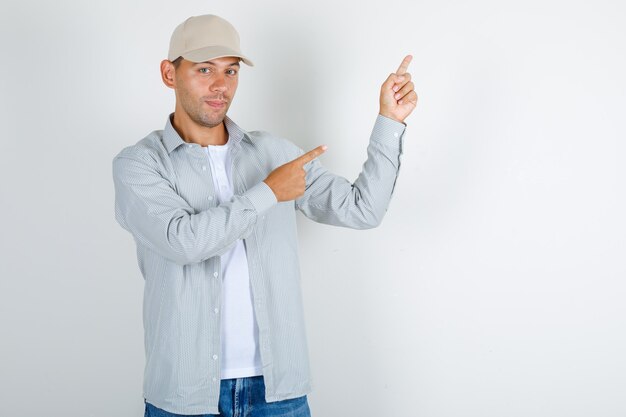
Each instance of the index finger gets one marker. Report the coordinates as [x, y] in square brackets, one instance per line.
[404, 65]
[310, 155]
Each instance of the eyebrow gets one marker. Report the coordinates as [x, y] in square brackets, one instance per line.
[213, 63]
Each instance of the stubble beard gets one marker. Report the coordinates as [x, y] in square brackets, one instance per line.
[194, 110]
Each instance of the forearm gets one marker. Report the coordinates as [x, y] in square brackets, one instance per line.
[161, 220]
[196, 237]
[332, 199]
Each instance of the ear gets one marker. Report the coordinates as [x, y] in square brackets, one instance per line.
[168, 73]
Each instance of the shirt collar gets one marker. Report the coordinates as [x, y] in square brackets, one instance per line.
[172, 140]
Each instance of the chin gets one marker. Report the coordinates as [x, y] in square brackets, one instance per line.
[212, 121]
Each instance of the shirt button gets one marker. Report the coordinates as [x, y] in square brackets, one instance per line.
[395, 134]
[215, 357]
[217, 310]
[204, 167]
[214, 379]
[189, 146]
[215, 274]
[210, 198]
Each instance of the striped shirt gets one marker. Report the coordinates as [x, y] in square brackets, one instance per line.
[165, 197]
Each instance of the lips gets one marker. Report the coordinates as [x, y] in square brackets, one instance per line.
[216, 103]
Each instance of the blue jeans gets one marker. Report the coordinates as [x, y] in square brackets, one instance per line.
[245, 397]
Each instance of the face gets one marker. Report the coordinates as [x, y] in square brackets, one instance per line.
[205, 90]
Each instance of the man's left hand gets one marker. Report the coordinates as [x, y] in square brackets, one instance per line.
[397, 97]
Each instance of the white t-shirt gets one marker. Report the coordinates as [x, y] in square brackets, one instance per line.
[240, 334]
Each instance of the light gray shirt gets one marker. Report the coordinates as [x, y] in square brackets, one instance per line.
[164, 196]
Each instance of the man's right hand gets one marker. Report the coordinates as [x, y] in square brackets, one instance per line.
[288, 181]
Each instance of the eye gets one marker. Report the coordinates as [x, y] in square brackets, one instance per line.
[232, 72]
[204, 70]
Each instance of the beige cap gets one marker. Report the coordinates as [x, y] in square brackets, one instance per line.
[202, 38]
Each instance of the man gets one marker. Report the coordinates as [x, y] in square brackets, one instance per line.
[212, 210]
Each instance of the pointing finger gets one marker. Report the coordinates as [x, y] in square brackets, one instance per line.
[310, 155]
[404, 65]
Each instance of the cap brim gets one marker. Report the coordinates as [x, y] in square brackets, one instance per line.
[211, 52]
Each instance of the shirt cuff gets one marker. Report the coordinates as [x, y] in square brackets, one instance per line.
[388, 132]
[261, 196]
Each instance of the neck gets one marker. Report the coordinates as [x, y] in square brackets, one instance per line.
[191, 132]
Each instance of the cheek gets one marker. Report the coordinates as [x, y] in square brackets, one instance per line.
[196, 89]
[196, 85]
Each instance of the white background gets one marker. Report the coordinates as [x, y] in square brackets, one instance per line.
[495, 284]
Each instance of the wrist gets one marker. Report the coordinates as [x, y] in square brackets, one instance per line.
[391, 116]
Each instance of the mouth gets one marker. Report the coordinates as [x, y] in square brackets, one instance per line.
[217, 104]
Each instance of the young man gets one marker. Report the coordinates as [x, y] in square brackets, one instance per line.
[212, 210]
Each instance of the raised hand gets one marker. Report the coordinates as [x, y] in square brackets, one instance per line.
[288, 181]
[397, 97]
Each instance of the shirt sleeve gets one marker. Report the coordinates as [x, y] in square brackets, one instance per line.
[147, 205]
[332, 199]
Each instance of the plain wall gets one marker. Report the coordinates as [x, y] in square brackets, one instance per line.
[495, 284]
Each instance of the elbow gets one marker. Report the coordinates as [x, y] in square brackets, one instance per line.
[180, 254]
[373, 222]
[368, 214]
[186, 245]
[369, 219]
[182, 246]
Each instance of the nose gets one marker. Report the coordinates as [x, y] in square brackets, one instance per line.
[219, 84]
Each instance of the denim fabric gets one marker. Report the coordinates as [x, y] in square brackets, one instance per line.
[245, 397]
